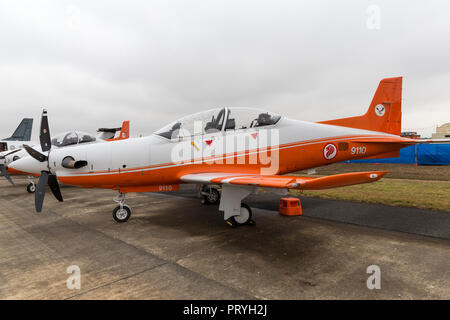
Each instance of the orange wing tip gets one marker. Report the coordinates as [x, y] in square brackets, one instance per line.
[378, 174]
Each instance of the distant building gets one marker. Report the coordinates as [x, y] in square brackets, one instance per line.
[442, 132]
[410, 135]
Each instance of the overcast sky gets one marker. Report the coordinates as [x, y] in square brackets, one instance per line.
[95, 63]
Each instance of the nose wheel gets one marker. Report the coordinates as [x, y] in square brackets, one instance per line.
[31, 187]
[122, 212]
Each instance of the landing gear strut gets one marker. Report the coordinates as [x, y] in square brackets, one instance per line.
[31, 186]
[122, 212]
[236, 213]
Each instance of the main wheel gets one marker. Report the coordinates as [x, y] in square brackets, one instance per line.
[31, 187]
[245, 217]
[212, 196]
[121, 214]
[231, 222]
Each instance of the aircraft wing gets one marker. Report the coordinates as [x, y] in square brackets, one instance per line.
[284, 182]
[6, 153]
[433, 140]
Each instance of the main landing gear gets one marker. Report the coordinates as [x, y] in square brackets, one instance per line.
[31, 186]
[236, 213]
[122, 212]
[244, 218]
[210, 195]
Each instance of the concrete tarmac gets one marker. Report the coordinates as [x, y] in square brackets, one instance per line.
[175, 248]
[410, 220]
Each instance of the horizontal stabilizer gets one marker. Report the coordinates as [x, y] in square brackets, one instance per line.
[400, 140]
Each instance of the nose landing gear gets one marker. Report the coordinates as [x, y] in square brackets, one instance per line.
[31, 186]
[122, 212]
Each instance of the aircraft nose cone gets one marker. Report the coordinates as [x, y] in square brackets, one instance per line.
[29, 165]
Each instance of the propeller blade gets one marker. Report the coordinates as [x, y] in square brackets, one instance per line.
[5, 174]
[35, 154]
[44, 135]
[17, 150]
[54, 186]
[40, 191]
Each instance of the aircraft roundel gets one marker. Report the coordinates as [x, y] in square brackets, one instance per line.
[330, 151]
[380, 110]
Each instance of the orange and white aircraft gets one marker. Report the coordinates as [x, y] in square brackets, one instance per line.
[21, 135]
[13, 144]
[69, 138]
[242, 150]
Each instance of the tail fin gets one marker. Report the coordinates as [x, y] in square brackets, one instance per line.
[384, 113]
[124, 132]
[23, 131]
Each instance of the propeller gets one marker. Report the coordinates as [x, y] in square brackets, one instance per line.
[35, 154]
[47, 177]
[5, 173]
[3, 170]
[7, 154]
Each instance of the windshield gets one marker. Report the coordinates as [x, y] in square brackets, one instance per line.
[195, 124]
[244, 118]
[216, 120]
[71, 138]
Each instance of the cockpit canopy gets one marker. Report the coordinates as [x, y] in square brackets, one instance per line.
[216, 120]
[71, 137]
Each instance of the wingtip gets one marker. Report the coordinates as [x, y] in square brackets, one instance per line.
[377, 174]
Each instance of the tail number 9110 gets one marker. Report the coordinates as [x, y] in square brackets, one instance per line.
[358, 150]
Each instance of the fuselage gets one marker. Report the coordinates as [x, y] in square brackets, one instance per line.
[13, 151]
[143, 164]
[7, 146]
[62, 140]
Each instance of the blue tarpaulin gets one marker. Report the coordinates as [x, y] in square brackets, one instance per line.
[433, 154]
[427, 154]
